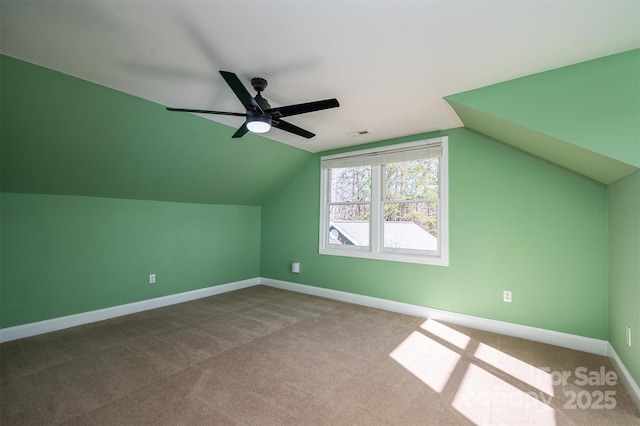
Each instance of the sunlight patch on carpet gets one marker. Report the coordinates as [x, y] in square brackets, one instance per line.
[519, 369]
[488, 400]
[426, 359]
[452, 336]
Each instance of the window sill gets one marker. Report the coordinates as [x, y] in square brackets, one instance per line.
[388, 256]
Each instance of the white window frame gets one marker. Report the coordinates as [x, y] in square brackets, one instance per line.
[375, 250]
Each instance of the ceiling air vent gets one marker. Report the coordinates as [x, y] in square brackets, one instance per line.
[358, 133]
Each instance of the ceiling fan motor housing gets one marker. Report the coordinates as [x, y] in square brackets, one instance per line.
[264, 104]
[259, 84]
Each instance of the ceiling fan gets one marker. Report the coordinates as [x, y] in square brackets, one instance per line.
[260, 116]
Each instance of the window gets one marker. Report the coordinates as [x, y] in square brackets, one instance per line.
[387, 203]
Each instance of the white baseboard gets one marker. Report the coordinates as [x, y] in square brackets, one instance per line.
[60, 323]
[625, 377]
[586, 344]
[571, 341]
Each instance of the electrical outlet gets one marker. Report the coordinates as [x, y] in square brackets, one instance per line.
[628, 336]
[506, 296]
[152, 279]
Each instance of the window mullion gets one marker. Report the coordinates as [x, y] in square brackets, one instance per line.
[376, 209]
[326, 208]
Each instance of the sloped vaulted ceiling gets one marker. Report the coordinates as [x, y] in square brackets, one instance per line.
[585, 117]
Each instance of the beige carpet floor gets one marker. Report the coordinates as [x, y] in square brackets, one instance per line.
[264, 356]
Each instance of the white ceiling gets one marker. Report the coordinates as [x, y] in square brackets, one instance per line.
[389, 63]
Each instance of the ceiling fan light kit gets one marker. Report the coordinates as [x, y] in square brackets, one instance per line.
[260, 116]
[258, 123]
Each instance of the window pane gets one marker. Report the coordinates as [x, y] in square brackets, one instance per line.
[349, 225]
[412, 180]
[411, 226]
[350, 184]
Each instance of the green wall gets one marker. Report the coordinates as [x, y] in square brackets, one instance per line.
[516, 223]
[624, 270]
[66, 141]
[63, 135]
[593, 105]
[64, 255]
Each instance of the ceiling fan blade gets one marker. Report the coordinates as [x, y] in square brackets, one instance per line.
[288, 127]
[241, 131]
[286, 111]
[207, 111]
[241, 92]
